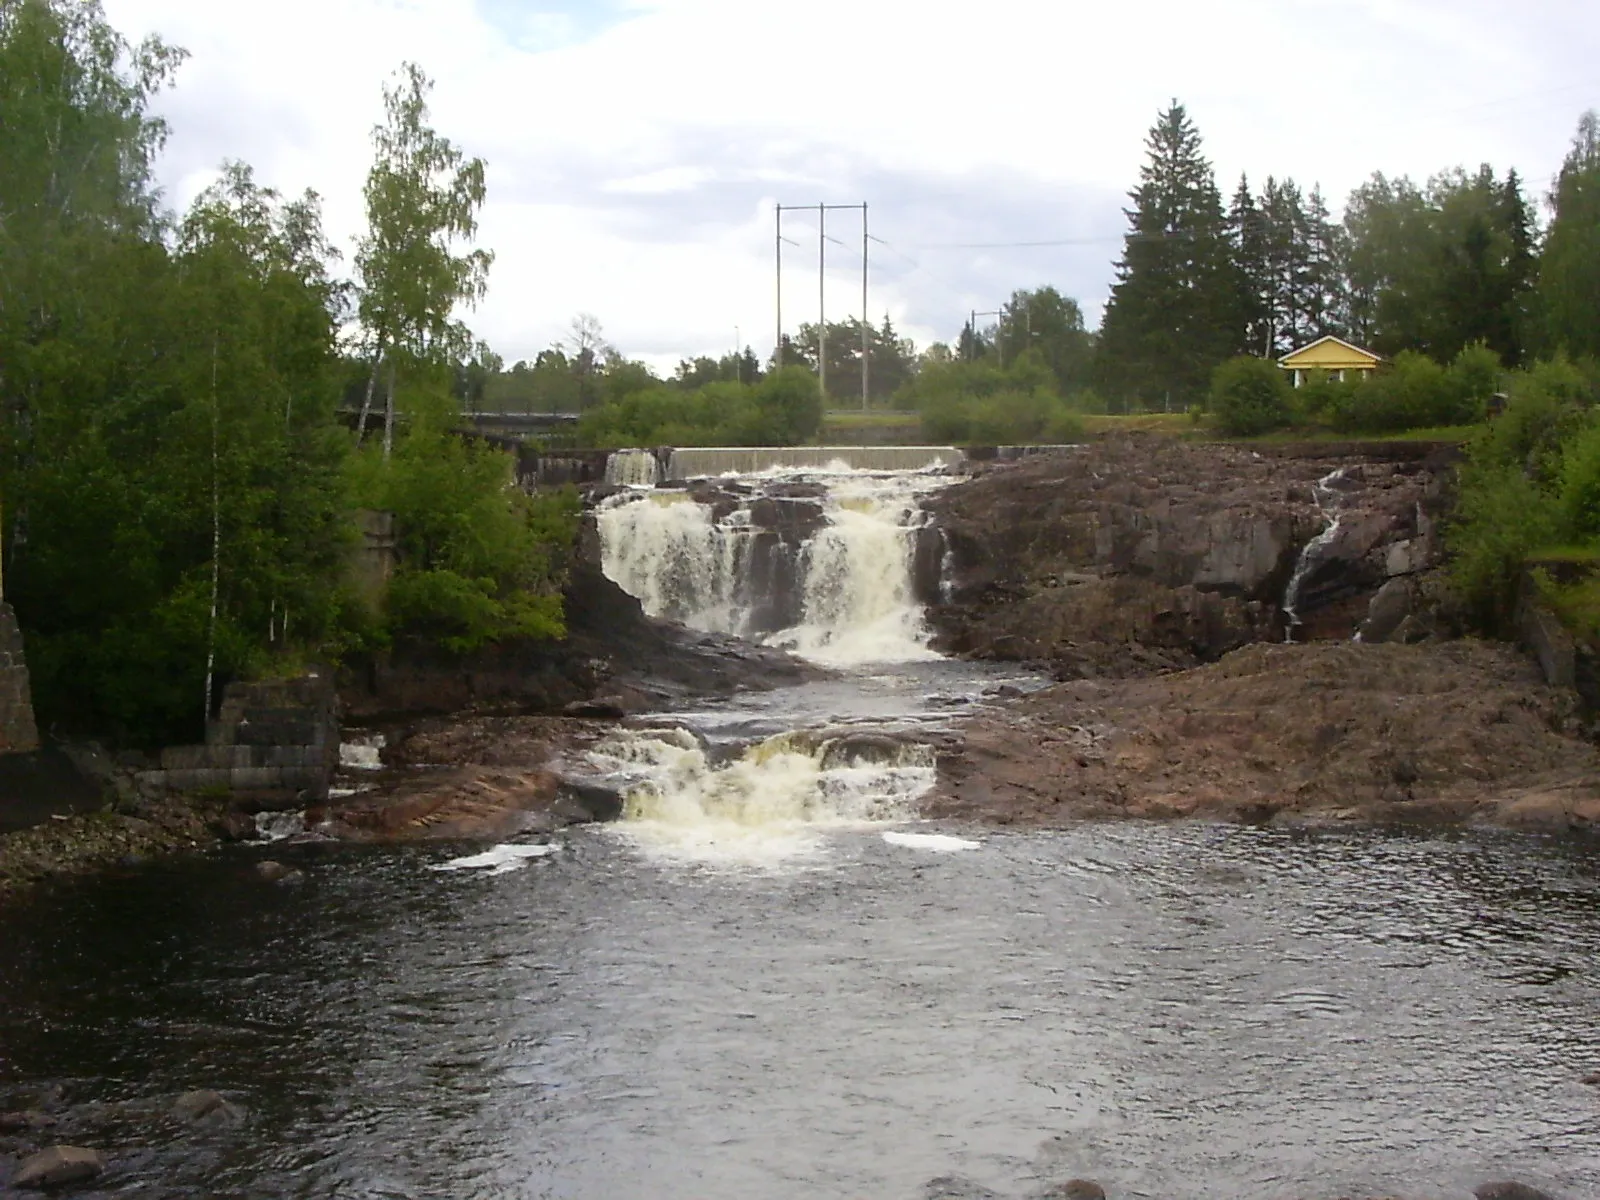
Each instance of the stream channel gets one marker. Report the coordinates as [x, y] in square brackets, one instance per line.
[770, 980]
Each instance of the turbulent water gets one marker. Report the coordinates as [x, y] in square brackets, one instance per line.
[771, 980]
[687, 562]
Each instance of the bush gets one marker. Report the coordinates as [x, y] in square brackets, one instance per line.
[980, 403]
[1546, 405]
[784, 409]
[1579, 492]
[1502, 516]
[479, 560]
[1249, 396]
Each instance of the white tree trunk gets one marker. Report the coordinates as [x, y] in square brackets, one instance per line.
[388, 416]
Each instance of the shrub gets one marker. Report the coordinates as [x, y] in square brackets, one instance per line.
[1580, 484]
[479, 560]
[1502, 516]
[1250, 396]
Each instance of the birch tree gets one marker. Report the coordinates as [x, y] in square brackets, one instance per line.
[422, 198]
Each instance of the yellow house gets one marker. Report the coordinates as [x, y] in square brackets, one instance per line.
[1332, 355]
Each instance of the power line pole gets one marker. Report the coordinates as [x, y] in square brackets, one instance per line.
[822, 292]
[866, 352]
[822, 319]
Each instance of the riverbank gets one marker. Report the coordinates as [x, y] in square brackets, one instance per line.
[63, 845]
[1456, 732]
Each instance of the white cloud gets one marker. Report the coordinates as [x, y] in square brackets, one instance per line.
[635, 150]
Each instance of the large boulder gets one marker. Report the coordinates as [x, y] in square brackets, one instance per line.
[58, 1166]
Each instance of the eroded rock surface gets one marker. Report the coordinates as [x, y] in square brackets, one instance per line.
[473, 776]
[1458, 731]
[1134, 554]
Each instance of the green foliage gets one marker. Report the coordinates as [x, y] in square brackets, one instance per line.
[980, 403]
[1415, 392]
[784, 409]
[1175, 309]
[1531, 481]
[158, 395]
[1579, 484]
[1250, 396]
[479, 560]
[1569, 283]
[1502, 516]
[1436, 269]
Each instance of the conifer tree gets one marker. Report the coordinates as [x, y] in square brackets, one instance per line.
[1569, 279]
[1174, 311]
[1247, 232]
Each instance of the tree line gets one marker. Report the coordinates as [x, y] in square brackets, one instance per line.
[1433, 268]
[180, 492]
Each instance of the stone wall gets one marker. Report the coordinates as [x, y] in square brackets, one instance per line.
[18, 733]
[274, 743]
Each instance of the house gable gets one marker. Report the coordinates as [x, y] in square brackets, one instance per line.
[1329, 354]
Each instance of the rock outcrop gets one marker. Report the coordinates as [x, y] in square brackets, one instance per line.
[1139, 553]
[474, 776]
[1461, 731]
[612, 649]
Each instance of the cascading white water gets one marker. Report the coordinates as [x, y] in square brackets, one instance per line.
[853, 574]
[667, 552]
[769, 805]
[858, 604]
[821, 562]
[633, 468]
[1326, 496]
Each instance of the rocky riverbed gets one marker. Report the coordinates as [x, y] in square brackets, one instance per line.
[1451, 732]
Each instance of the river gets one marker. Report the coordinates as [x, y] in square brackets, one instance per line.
[771, 980]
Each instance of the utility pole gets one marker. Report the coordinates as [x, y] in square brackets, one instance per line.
[866, 352]
[822, 319]
[822, 293]
[998, 314]
[777, 344]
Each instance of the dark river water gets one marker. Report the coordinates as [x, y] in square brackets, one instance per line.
[1174, 1010]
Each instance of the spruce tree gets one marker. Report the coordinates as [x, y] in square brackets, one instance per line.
[1174, 312]
[1248, 235]
[1569, 279]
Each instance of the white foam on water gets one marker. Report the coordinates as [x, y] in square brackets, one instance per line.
[276, 826]
[937, 843]
[363, 753]
[771, 807]
[499, 860]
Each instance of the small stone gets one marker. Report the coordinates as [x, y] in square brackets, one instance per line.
[1592, 1079]
[1076, 1189]
[206, 1107]
[1509, 1190]
[57, 1167]
[271, 871]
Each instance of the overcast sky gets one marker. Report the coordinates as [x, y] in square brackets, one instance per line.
[636, 147]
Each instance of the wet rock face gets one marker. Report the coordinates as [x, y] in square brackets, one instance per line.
[1138, 552]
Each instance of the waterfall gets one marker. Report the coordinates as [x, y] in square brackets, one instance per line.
[633, 468]
[820, 563]
[769, 804]
[858, 603]
[678, 561]
[1327, 497]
